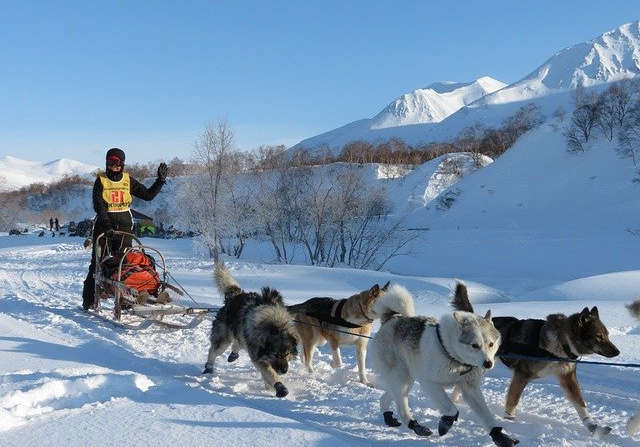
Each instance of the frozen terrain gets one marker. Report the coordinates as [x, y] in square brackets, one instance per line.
[67, 378]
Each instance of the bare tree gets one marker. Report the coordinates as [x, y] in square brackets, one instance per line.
[213, 154]
[629, 135]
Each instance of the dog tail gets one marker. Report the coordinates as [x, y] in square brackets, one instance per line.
[460, 299]
[634, 308]
[396, 301]
[272, 296]
[225, 282]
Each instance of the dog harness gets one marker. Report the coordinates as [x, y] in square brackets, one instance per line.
[469, 367]
[320, 308]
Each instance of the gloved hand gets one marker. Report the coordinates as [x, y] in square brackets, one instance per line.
[163, 171]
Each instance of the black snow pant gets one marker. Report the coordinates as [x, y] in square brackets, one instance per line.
[121, 221]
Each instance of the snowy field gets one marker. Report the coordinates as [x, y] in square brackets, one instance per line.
[67, 378]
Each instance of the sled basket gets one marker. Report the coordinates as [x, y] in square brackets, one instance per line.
[139, 286]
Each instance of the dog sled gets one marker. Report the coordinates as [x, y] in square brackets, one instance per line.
[142, 290]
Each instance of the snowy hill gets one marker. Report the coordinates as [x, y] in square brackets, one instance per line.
[419, 117]
[434, 103]
[537, 210]
[16, 173]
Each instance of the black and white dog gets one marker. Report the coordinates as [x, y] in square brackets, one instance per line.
[258, 323]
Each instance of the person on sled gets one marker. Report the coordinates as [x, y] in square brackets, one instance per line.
[112, 195]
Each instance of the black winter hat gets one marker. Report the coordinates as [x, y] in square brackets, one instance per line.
[115, 152]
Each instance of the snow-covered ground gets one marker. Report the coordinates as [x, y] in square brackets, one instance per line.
[67, 378]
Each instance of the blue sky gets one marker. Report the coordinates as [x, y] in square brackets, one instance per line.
[79, 77]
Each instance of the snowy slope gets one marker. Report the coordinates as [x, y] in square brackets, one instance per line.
[536, 211]
[434, 103]
[16, 172]
[69, 379]
[610, 57]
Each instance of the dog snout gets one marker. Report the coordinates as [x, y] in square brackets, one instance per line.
[488, 364]
[610, 350]
[280, 366]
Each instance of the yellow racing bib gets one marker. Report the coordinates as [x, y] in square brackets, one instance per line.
[116, 194]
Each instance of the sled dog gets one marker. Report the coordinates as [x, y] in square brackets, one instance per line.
[457, 350]
[558, 336]
[256, 322]
[633, 425]
[319, 318]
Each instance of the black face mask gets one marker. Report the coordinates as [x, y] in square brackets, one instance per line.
[113, 175]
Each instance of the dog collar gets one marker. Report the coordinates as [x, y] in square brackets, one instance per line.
[567, 350]
[364, 314]
[470, 367]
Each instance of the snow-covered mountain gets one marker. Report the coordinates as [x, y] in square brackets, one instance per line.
[16, 172]
[613, 56]
[434, 103]
[421, 116]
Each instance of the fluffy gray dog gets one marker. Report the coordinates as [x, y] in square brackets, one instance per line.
[258, 323]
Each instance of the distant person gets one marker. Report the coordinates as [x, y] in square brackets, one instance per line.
[51, 224]
[112, 195]
[57, 224]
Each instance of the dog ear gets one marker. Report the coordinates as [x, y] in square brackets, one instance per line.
[594, 312]
[488, 316]
[584, 316]
[375, 290]
[386, 286]
[460, 318]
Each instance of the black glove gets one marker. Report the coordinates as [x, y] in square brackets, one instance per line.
[163, 170]
[500, 439]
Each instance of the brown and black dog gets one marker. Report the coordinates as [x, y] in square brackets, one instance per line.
[560, 336]
[320, 319]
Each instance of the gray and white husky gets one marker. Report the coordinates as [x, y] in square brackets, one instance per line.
[457, 350]
[259, 323]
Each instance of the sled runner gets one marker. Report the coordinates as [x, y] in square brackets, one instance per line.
[139, 286]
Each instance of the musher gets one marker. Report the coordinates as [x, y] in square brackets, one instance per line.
[112, 195]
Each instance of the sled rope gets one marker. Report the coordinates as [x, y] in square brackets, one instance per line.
[559, 359]
[321, 326]
[181, 288]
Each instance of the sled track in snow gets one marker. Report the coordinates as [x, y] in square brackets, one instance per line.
[42, 286]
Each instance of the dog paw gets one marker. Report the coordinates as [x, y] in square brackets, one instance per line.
[419, 430]
[598, 430]
[500, 439]
[446, 422]
[233, 356]
[208, 369]
[281, 390]
[390, 420]
[511, 417]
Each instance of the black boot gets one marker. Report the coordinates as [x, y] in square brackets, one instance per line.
[419, 430]
[390, 420]
[281, 390]
[87, 296]
[446, 422]
[500, 439]
[233, 356]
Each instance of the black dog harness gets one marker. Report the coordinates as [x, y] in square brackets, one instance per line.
[320, 308]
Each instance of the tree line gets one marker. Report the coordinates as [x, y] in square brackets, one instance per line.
[613, 113]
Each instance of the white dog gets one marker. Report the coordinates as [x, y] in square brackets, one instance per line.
[457, 350]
